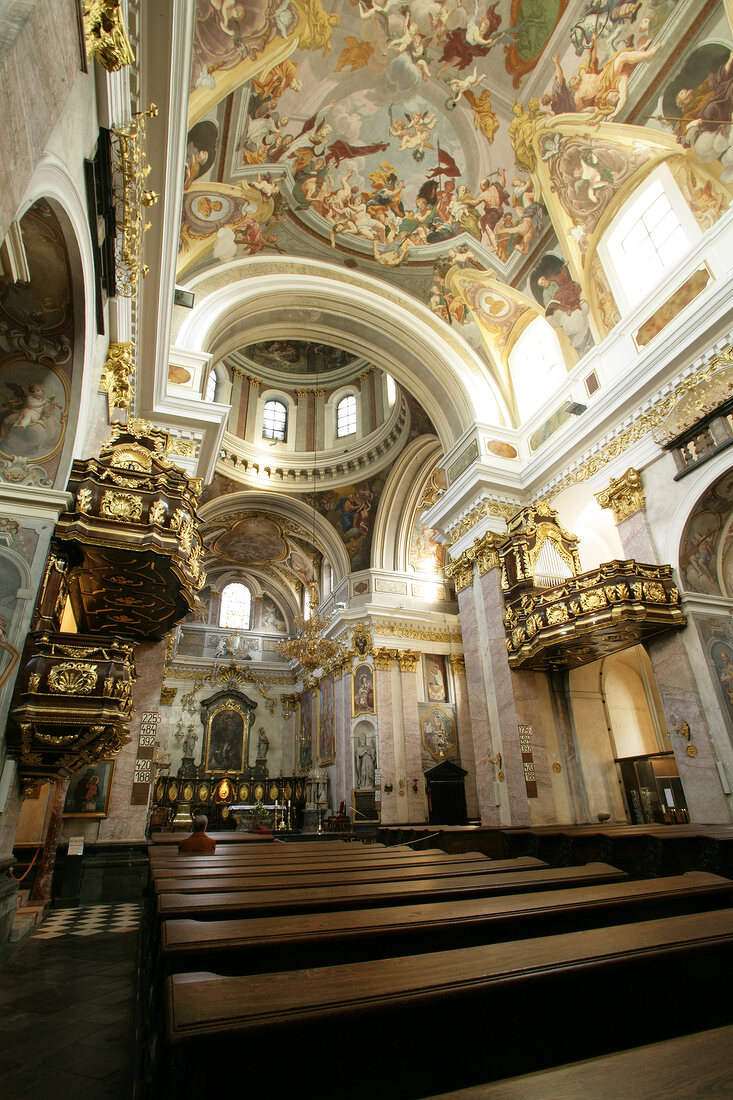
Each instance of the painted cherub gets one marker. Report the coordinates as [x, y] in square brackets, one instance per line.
[415, 132]
[28, 408]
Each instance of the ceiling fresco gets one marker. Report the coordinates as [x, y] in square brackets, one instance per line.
[293, 357]
[466, 152]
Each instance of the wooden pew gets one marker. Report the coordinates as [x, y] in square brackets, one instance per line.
[396, 858]
[452, 1018]
[277, 853]
[204, 881]
[262, 903]
[246, 869]
[692, 1067]
[253, 946]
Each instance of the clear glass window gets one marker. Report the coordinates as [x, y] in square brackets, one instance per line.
[537, 366]
[211, 386]
[646, 242]
[275, 421]
[236, 601]
[346, 416]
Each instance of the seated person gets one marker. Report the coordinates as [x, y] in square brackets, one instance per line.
[198, 843]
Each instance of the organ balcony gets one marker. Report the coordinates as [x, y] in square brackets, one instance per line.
[591, 615]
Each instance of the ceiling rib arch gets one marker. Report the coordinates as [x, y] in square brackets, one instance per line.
[354, 312]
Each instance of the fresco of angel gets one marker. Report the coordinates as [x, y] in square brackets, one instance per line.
[413, 132]
[33, 412]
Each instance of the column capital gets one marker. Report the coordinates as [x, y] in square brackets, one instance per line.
[457, 663]
[407, 659]
[624, 495]
[383, 658]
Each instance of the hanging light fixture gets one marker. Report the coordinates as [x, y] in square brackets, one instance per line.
[309, 646]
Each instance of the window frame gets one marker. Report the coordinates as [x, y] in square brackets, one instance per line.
[273, 438]
[661, 175]
[233, 626]
[351, 398]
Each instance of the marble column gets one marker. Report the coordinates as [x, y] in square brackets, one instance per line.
[341, 772]
[512, 696]
[478, 728]
[416, 801]
[669, 659]
[465, 740]
[44, 876]
[390, 809]
[125, 821]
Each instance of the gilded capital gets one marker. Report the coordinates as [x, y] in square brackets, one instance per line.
[460, 571]
[105, 34]
[484, 552]
[256, 382]
[383, 659]
[457, 663]
[407, 660]
[624, 495]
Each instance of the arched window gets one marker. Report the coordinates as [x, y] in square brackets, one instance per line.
[646, 240]
[346, 416]
[536, 365]
[235, 604]
[391, 390]
[275, 421]
[210, 394]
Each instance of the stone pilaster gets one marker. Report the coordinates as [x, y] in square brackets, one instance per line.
[252, 430]
[416, 803]
[675, 679]
[391, 812]
[463, 718]
[512, 698]
[125, 821]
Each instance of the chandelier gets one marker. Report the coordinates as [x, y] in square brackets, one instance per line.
[309, 647]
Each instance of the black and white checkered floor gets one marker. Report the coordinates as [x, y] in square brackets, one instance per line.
[89, 920]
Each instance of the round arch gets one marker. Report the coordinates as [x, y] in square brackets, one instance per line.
[284, 508]
[282, 299]
[399, 500]
[52, 181]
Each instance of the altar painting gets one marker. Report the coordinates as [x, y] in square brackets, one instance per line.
[226, 741]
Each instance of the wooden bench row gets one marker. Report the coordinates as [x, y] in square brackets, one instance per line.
[453, 1018]
[441, 956]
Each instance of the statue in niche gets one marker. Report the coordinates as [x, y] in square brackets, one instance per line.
[263, 744]
[365, 758]
[189, 742]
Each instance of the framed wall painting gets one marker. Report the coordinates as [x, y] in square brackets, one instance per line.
[435, 678]
[225, 740]
[89, 791]
[326, 722]
[305, 731]
[438, 729]
[362, 690]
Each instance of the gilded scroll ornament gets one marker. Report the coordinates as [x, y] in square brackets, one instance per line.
[624, 495]
[132, 197]
[118, 375]
[106, 35]
[72, 678]
[121, 506]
